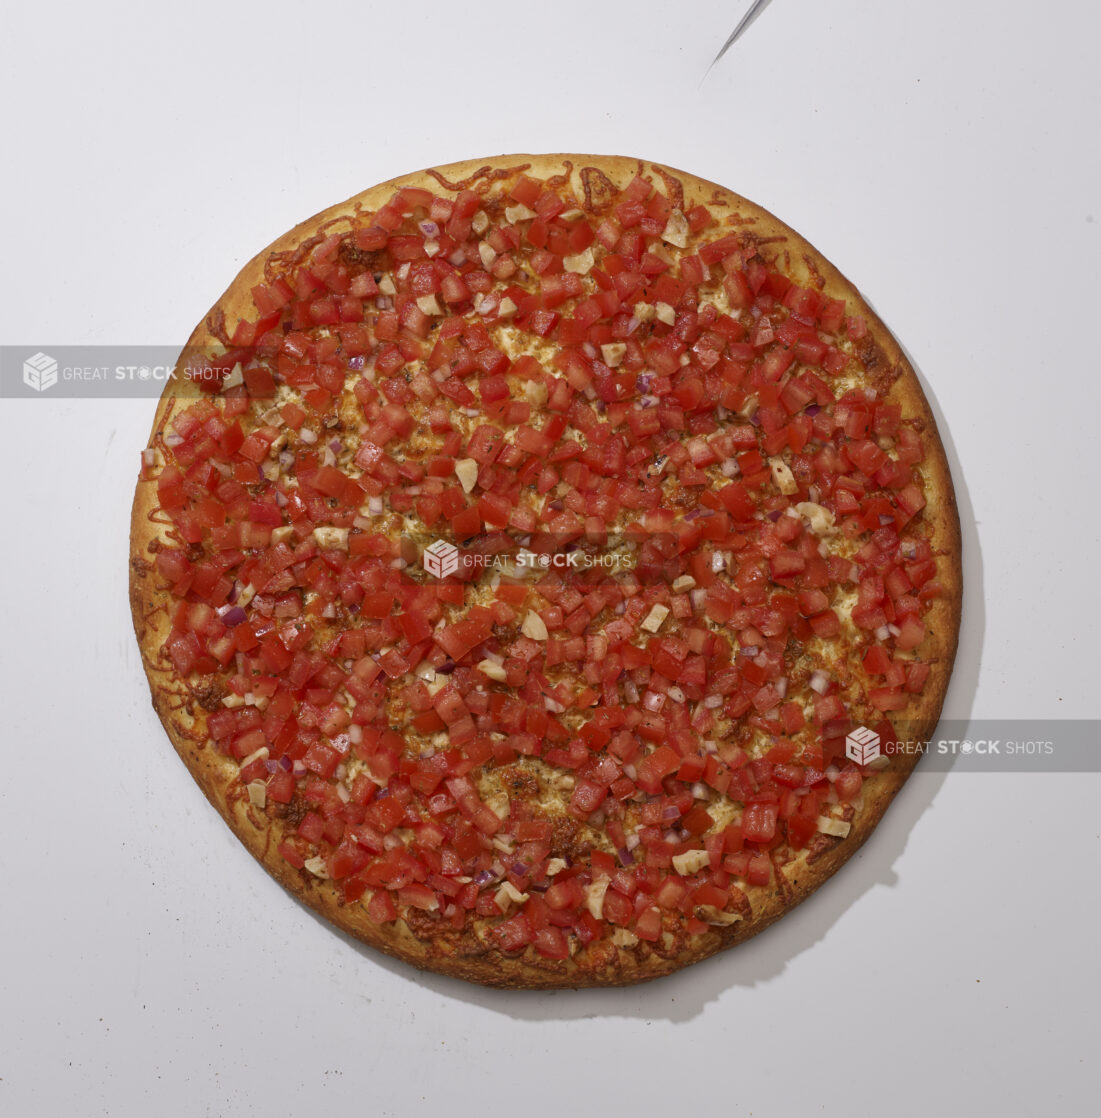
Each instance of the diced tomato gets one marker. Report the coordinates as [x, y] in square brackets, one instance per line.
[654, 767]
[370, 694]
[759, 822]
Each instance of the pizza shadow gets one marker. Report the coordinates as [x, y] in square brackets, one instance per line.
[684, 995]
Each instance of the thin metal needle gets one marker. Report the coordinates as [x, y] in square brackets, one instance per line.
[755, 10]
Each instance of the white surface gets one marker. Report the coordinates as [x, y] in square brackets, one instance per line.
[943, 155]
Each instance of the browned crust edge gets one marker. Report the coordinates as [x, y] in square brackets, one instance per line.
[178, 710]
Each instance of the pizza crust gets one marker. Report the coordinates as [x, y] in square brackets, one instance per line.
[182, 714]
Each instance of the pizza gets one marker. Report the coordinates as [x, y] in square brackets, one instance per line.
[528, 557]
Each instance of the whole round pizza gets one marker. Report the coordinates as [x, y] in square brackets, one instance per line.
[535, 562]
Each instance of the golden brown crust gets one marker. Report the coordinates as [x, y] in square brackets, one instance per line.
[181, 710]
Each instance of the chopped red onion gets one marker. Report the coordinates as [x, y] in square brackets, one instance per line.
[819, 682]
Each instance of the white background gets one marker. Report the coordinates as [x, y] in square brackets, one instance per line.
[944, 155]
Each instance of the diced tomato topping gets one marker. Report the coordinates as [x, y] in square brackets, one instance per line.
[384, 586]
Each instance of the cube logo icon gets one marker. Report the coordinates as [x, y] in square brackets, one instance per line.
[40, 372]
[441, 559]
[862, 746]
